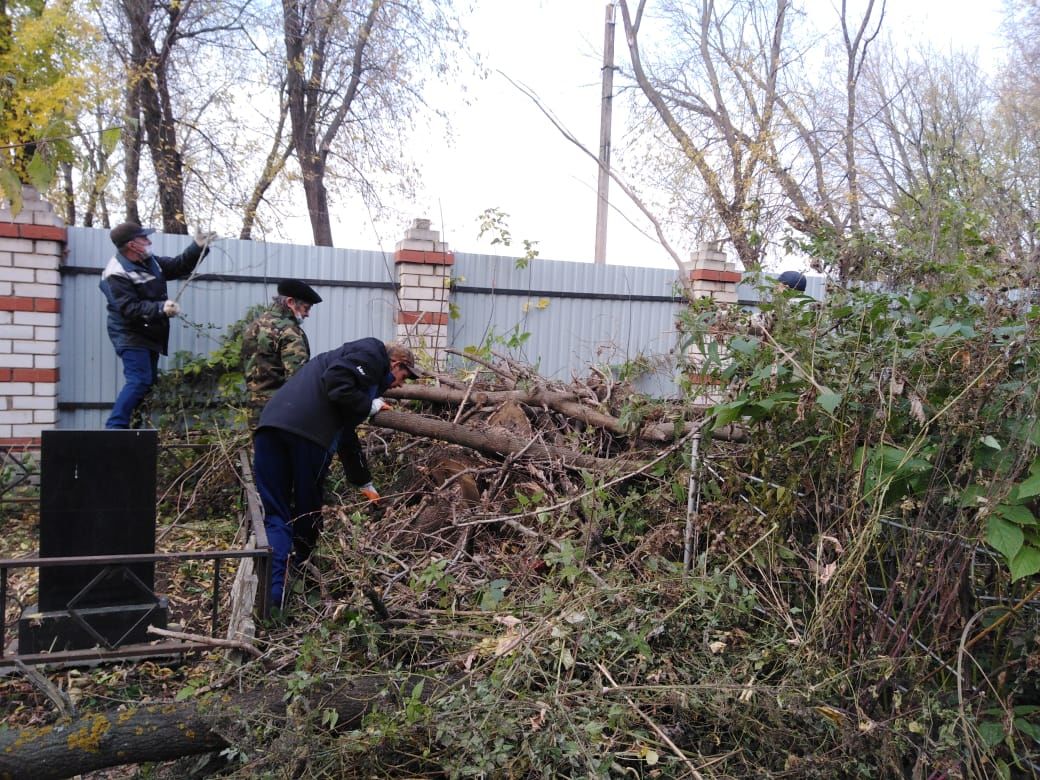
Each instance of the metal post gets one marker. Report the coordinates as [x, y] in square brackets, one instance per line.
[216, 596]
[607, 101]
[3, 608]
[691, 538]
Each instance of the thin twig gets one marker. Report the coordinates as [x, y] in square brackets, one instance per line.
[58, 697]
[650, 722]
[207, 640]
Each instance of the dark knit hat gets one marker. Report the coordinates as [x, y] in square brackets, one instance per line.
[301, 291]
[128, 231]
[793, 279]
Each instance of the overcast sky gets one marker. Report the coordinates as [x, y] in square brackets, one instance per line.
[507, 155]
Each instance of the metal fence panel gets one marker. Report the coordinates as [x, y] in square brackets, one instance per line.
[576, 314]
[358, 299]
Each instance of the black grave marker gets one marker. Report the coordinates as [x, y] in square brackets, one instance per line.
[97, 497]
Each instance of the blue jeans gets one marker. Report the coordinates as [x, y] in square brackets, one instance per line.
[140, 369]
[289, 471]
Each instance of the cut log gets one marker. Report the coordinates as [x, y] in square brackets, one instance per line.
[164, 732]
[564, 403]
[497, 442]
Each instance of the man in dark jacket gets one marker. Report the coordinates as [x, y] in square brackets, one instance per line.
[139, 309]
[312, 415]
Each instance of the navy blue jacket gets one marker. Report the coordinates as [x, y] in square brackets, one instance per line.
[329, 396]
[136, 293]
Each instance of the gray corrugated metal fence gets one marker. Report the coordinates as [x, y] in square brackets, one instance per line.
[577, 314]
[357, 290]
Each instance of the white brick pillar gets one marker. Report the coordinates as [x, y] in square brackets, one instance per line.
[424, 280]
[709, 275]
[32, 245]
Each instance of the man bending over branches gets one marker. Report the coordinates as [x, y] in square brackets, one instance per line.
[314, 414]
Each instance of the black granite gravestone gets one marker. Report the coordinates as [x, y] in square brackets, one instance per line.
[97, 497]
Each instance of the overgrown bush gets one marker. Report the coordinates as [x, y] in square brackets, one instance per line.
[893, 456]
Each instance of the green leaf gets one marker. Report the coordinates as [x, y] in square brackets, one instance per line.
[1025, 563]
[110, 139]
[11, 186]
[41, 170]
[993, 444]
[973, 495]
[745, 346]
[1027, 728]
[496, 591]
[992, 732]
[829, 401]
[1013, 513]
[727, 413]
[1029, 487]
[185, 693]
[943, 329]
[1004, 536]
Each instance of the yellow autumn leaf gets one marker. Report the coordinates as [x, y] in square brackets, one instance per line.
[836, 716]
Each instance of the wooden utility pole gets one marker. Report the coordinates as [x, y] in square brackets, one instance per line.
[604, 137]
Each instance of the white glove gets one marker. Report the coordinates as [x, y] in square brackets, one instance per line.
[205, 237]
[377, 404]
[171, 309]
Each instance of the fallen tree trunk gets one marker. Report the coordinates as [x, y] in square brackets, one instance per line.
[497, 442]
[565, 403]
[164, 732]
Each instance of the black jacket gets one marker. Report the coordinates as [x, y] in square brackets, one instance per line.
[329, 397]
[136, 293]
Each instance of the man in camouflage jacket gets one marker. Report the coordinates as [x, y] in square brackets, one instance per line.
[274, 346]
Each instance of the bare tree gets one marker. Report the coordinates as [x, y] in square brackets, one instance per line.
[158, 42]
[719, 123]
[1016, 147]
[767, 143]
[927, 161]
[353, 75]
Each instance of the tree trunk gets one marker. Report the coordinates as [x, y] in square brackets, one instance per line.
[132, 139]
[164, 732]
[68, 193]
[312, 167]
[497, 442]
[273, 166]
[315, 120]
[565, 403]
[149, 77]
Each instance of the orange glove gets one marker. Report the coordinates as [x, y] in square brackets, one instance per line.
[370, 493]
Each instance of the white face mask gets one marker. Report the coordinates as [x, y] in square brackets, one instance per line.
[139, 249]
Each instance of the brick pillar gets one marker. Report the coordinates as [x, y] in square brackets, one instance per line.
[32, 245]
[710, 275]
[423, 274]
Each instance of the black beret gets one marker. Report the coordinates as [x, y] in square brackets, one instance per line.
[128, 231]
[301, 291]
[793, 279]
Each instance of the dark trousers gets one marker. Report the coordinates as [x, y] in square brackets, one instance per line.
[290, 473]
[140, 370]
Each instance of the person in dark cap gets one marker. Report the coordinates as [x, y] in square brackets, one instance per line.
[274, 345]
[793, 279]
[311, 417]
[140, 309]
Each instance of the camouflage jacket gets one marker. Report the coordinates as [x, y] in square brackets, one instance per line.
[274, 347]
